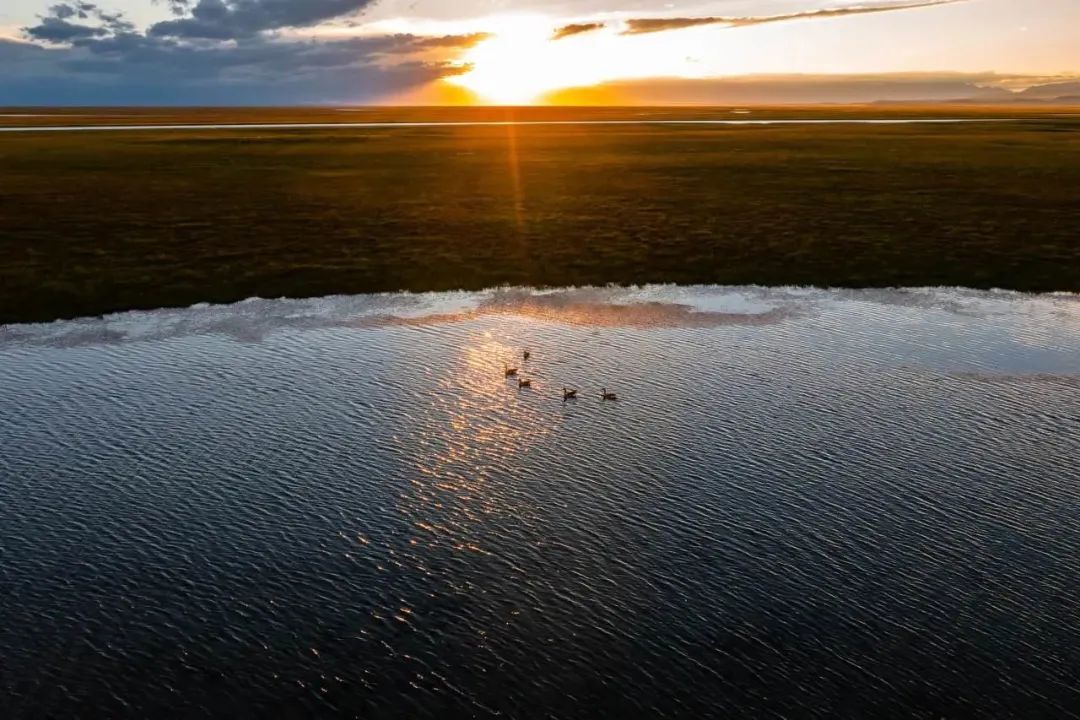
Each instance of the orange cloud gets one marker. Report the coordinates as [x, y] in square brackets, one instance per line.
[576, 29]
[640, 26]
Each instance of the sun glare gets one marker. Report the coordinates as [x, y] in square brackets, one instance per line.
[515, 66]
[520, 62]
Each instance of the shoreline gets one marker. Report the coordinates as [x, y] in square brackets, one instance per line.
[640, 306]
[311, 302]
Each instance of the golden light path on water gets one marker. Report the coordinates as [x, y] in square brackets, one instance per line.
[473, 437]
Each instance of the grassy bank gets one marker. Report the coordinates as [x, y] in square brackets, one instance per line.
[97, 222]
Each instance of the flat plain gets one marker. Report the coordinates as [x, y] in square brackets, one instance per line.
[95, 222]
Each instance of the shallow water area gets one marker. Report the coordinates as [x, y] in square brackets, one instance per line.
[805, 503]
[481, 123]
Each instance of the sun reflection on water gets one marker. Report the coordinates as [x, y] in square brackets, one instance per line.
[478, 425]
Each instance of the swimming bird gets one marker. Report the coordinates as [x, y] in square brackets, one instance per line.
[509, 371]
[523, 383]
[526, 355]
[605, 395]
[569, 394]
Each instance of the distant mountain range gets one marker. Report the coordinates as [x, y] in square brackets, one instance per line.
[1068, 90]
[809, 89]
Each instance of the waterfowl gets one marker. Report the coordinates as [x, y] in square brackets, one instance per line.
[526, 355]
[509, 371]
[605, 395]
[569, 394]
[523, 383]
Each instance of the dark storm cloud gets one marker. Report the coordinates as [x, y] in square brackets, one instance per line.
[97, 57]
[58, 30]
[177, 7]
[576, 29]
[71, 21]
[639, 26]
[225, 19]
[122, 53]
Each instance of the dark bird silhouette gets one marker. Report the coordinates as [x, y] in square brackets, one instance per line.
[605, 395]
[526, 355]
[523, 383]
[509, 371]
[568, 394]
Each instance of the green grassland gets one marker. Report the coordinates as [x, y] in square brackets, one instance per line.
[99, 222]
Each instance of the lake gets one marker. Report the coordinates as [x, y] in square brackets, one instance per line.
[805, 503]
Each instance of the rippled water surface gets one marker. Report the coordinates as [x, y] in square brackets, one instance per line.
[804, 504]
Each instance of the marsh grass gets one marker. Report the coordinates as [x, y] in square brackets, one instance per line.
[98, 222]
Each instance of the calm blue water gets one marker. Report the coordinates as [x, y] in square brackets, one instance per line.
[805, 504]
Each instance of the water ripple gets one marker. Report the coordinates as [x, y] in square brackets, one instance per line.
[806, 503]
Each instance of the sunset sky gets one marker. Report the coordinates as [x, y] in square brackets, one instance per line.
[355, 51]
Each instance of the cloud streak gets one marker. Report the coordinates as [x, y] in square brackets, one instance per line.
[576, 29]
[641, 26]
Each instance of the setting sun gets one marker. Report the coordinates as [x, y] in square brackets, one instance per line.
[517, 65]
[522, 62]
